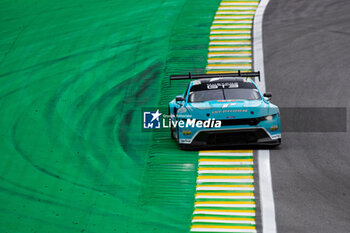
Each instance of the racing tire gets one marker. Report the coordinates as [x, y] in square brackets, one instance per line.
[276, 144]
[172, 132]
[186, 147]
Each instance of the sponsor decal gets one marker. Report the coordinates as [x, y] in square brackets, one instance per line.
[229, 111]
[223, 85]
[226, 101]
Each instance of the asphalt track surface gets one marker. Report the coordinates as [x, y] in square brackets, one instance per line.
[307, 57]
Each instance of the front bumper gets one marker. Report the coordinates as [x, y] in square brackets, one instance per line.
[230, 137]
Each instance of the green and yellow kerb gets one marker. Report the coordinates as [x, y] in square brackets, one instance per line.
[224, 199]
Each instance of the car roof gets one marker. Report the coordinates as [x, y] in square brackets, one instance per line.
[223, 79]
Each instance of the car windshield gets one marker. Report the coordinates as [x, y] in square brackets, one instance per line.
[224, 94]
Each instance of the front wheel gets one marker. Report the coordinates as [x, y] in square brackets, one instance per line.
[172, 133]
[186, 147]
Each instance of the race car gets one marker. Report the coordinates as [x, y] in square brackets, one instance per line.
[223, 110]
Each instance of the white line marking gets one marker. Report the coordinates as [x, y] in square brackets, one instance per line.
[223, 213]
[229, 43]
[245, 12]
[231, 26]
[229, 49]
[226, 188]
[223, 197]
[226, 180]
[232, 21]
[224, 221]
[266, 192]
[227, 55]
[226, 205]
[224, 153]
[194, 229]
[225, 163]
[236, 7]
[258, 44]
[234, 17]
[229, 37]
[226, 171]
[229, 31]
[228, 67]
[239, 3]
[223, 61]
[265, 181]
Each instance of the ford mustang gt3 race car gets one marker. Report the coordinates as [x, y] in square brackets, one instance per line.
[223, 110]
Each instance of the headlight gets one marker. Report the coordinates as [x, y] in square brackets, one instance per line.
[269, 118]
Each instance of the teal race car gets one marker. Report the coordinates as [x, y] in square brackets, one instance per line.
[223, 110]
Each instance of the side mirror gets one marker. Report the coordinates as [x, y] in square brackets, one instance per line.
[268, 96]
[179, 98]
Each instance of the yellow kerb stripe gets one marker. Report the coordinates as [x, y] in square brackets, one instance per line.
[228, 35]
[222, 218]
[225, 168]
[222, 227]
[226, 186]
[225, 177]
[221, 41]
[225, 194]
[219, 72]
[236, 30]
[215, 53]
[225, 202]
[226, 151]
[240, 2]
[225, 160]
[227, 211]
[231, 25]
[228, 65]
[223, 59]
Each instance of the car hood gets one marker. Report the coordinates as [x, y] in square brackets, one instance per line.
[229, 109]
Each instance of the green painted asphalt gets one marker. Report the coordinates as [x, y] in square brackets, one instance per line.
[74, 76]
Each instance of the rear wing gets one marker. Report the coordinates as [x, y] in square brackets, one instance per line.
[222, 75]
